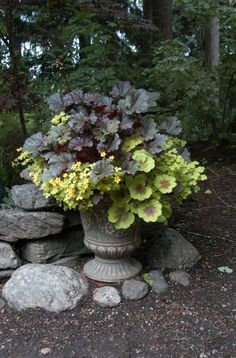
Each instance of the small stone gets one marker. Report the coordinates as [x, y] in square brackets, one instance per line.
[134, 289]
[181, 277]
[25, 175]
[106, 296]
[157, 281]
[2, 303]
[45, 351]
[6, 273]
[8, 258]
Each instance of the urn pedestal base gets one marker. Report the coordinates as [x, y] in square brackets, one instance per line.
[112, 247]
[112, 270]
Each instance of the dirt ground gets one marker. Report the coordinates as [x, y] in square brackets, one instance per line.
[196, 321]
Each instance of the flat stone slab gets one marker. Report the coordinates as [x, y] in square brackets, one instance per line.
[8, 258]
[181, 277]
[53, 288]
[17, 224]
[134, 289]
[106, 296]
[172, 251]
[157, 281]
[30, 197]
[50, 249]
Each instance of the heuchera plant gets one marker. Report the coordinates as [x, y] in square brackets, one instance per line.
[110, 148]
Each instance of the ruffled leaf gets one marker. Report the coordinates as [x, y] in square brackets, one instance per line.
[148, 129]
[172, 126]
[145, 160]
[121, 89]
[155, 146]
[55, 103]
[165, 183]
[121, 216]
[138, 189]
[150, 211]
[73, 97]
[102, 169]
[79, 142]
[34, 143]
[132, 142]
[130, 167]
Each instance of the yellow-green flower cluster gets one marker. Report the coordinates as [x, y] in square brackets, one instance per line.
[74, 189]
[60, 118]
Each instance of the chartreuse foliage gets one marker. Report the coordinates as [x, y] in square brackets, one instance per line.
[101, 148]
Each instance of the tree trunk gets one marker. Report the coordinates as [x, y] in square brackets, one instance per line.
[147, 9]
[162, 18]
[212, 44]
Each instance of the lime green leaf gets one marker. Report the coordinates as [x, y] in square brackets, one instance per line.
[165, 183]
[132, 142]
[138, 189]
[145, 160]
[150, 211]
[121, 216]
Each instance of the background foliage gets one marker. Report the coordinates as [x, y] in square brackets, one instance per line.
[46, 46]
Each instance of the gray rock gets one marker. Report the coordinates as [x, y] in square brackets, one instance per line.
[6, 273]
[67, 261]
[17, 224]
[30, 197]
[157, 281]
[134, 289]
[50, 249]
[171, 250]
[2, 303]
[106, 296]
[180, 277]
[8, 258]
[25, 175]
[53, 288]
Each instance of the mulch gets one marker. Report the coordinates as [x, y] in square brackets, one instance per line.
[196, 321]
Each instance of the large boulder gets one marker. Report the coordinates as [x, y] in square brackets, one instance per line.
[16, 224]
[170, 250]
[8, 258]
[53, 288]
[30, 197]
[68, 243]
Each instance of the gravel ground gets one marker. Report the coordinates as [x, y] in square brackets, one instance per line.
[196, 321]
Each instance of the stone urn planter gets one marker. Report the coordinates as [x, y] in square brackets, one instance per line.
[111, 247]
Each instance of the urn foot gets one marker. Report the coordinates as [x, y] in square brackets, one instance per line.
[112, 270]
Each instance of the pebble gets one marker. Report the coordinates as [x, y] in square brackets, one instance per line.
[134, 289]
[157, 281]
[181, 277]
[45, 351]
[106, 296]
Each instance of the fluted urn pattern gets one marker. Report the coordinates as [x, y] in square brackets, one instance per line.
[111, 247]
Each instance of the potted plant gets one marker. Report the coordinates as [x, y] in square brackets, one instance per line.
[110, 159]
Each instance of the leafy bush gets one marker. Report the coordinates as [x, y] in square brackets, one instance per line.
[186, 89]
[103, 148]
